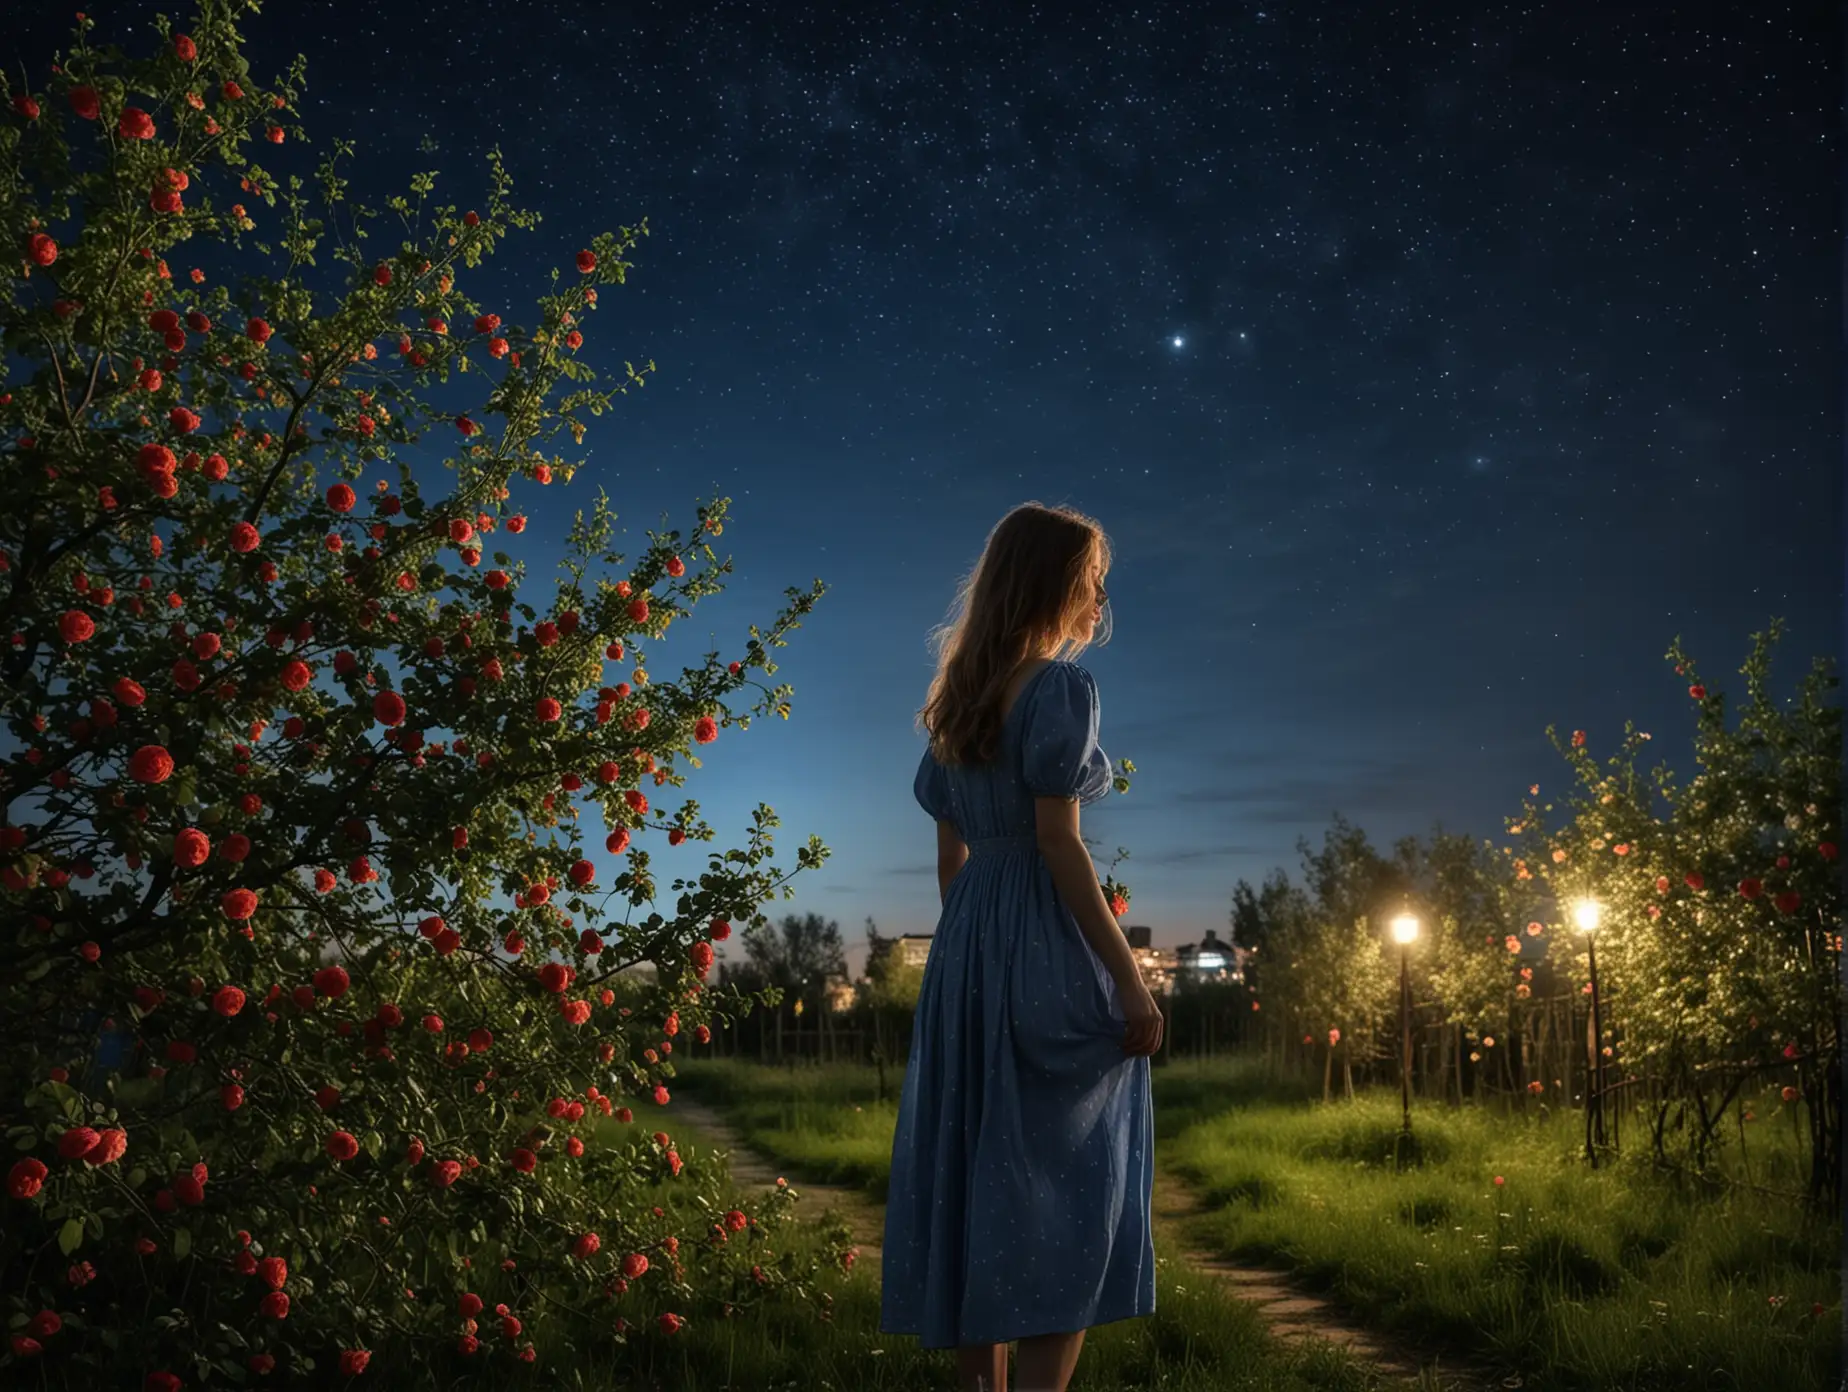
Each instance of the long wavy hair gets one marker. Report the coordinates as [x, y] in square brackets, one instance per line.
[1034, 585]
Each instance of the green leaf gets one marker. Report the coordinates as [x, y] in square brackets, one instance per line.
[70, 1236]
[182, 1243]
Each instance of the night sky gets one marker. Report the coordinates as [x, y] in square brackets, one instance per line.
[1431, 367]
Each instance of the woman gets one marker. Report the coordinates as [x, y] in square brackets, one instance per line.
[1022, 1160]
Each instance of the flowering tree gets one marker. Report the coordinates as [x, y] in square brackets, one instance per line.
[1719, 941]
[314, 1002]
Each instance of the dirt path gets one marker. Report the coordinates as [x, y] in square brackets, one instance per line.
[1293, 1314]
[750, 1170]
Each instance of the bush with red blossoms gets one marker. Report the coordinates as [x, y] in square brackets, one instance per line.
[267, 713]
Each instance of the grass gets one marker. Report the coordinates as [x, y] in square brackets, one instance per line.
[827, 1125]
[1571, 1278]
[1578, 1279]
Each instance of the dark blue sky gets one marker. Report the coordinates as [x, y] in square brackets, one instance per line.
[1430, 366]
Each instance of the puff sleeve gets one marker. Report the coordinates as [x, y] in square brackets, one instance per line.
[931, 788]
[1061, 757]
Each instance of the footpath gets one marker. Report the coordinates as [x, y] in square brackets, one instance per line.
[1293, 1313]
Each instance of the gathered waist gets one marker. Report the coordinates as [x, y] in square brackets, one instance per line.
[1001, 845]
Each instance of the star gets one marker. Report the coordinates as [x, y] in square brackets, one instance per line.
[1178, 342]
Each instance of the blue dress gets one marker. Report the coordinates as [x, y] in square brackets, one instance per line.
[1022, 1163]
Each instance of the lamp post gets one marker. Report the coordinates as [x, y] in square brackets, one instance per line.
[1585, 913]
[1404, 931]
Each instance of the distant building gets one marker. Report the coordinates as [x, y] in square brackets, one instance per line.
[1157, 964]
[914, 948]
[1211, 959]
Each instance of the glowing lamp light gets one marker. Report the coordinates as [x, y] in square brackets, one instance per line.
[1209, 961]
[1585, 914]
[1404, 928]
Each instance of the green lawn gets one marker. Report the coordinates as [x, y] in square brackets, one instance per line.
[1571, 1278]
[828, 1125]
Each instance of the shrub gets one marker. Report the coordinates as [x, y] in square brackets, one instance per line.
[304, 959]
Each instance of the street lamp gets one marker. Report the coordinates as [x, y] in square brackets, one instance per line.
[1585, 913]
[1404, 931]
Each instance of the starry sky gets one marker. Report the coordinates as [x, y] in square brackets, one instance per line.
[1431, 367]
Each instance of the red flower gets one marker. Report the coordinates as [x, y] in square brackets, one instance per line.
[110, 1146]
[661, 1095]
[227, 1001]
[480, 1040]
[634, 1265]
[720, 930]
[332, 982]
[523, 1160]
[258, 331]
[582, 872]
[150, 764]
[75, 626]
[445, 1173]
[184, 48]
[342, 1146]
[135, 124]
[638, 610]
[162, 1382]
[1699, 693]
[75, 1143]
[190, 848]
[274, 1271]
[586, 1246]
[238, 904]
[232, 1096]
[705, 729]
[547, 710]
[586, 260]
[1787, 902]
[26, 1177]
[433, 1023]
[327, 1097]
[244, 537]
[671, 1323]
[575, 1012]
[701, 956]
[1750, 889]
[388, 708]
[469, 1305]
[86, 103]
[129, 693]
[554, 977]
[1693, 879]
[296, 674]
[275, 1305]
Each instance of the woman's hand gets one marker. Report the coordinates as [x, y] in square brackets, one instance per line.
[1143, 1037]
